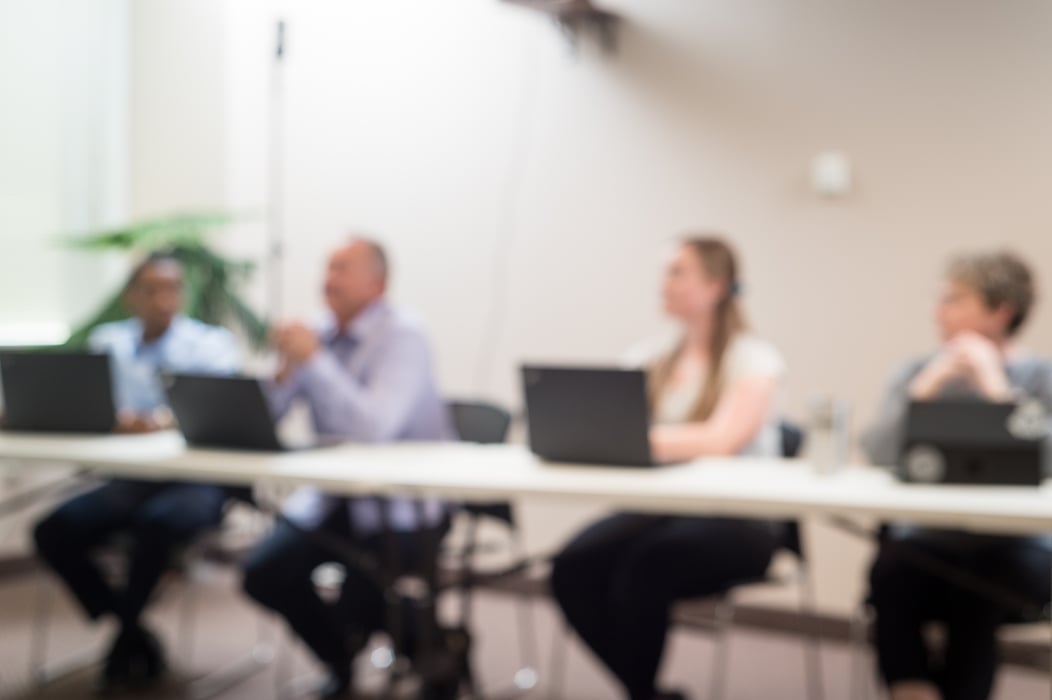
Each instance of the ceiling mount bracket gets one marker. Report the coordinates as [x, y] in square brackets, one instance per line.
[576, 18]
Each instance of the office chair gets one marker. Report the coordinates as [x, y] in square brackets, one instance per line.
[485, 423]
[724, 612]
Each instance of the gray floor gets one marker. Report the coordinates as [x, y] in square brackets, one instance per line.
[761, 667]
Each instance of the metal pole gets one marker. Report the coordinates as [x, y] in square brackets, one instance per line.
[275, 180]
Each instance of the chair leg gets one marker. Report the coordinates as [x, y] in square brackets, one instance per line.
[264, 649]
[185, 621]
[43, 608]
[283, 661]
[724, 620]
[861, 684]
[557, 672]
[813, 644]
[219, 680]
[41, 671]
[527, 677]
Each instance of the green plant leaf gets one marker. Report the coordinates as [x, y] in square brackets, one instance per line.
[212, 281]
[153, 234]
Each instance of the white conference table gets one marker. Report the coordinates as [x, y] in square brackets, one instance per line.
[764, 488]
[770, 488]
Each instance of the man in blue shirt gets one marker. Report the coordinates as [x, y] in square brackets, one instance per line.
[158, 516]
[365, 374]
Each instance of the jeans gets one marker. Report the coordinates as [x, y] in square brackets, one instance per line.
[906, 597]
[158, 518]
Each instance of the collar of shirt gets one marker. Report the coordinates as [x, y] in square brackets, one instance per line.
[359, 329]
[157, 346]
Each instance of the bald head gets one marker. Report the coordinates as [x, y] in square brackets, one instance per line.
[356, 277]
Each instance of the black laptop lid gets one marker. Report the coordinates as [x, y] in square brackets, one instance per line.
[227, 412]
[588, 416]
[57, 391]
[974, 442]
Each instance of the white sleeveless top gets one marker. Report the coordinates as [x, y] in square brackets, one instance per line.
[748, 357]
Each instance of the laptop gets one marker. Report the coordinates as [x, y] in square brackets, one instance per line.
[57, 391]
[588, 416]
[974, 442]
[227, 412]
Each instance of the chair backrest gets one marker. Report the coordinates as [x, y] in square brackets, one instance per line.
[486, 424]
[793, 438]
[480, 422]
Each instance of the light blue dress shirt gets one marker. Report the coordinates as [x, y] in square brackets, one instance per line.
[187, 346]
[371, 382]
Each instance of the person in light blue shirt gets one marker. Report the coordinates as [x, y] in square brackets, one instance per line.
[158, 516]
[187, 345]
[365, 373]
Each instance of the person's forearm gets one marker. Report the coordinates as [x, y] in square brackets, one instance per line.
[334, 395]
[929, 383]
[677, 443]
[994, 385]
[366, 413]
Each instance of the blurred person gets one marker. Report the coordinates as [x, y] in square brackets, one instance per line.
[158, 517]
[365, 372]
[712, 392]
[985, 301]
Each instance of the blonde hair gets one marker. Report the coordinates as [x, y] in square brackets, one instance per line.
[719, 262]
[1000, 278]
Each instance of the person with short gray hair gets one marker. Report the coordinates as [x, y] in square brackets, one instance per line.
[985, 301]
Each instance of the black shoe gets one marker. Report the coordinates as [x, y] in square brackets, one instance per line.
[449, 690]
[117, 667]
[135, 660]
[147, 663]
[116, 671]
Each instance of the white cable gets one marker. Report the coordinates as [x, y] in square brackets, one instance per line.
[495, 319]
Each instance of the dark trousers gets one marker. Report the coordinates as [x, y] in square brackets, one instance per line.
[278, 576]
[617, 581]
[157, 517]
[907, 596]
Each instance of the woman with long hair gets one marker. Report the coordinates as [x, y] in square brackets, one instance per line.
[713, 392]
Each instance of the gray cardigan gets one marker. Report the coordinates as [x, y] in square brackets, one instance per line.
[1030, 376]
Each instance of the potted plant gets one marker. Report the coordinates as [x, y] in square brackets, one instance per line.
[213, 281]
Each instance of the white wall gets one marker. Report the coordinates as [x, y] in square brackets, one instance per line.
[498, 166]
[63, 87]
[177, 131]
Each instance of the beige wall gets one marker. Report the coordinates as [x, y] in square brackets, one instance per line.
[467, 132]
[421, 123]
